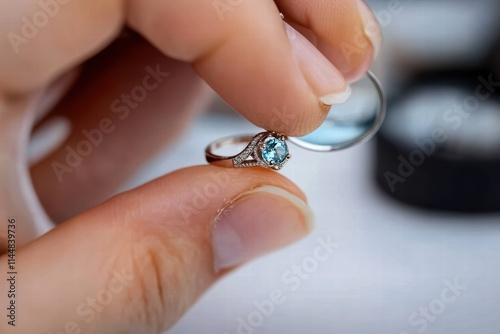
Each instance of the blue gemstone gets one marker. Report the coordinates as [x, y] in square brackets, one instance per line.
[275, 151]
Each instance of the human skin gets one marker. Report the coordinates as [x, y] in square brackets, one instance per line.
[171, 247]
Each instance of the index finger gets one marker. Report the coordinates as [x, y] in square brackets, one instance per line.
[270, 74]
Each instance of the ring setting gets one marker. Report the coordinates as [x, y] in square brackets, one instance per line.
[266, 149]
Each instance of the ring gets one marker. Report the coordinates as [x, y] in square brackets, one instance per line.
[266, 149]
[366, 134]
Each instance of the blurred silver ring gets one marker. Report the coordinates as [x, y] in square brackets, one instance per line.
[379, 119]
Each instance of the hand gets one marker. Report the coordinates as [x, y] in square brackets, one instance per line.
[136, 262]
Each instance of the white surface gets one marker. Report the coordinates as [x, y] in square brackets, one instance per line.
[391, 260]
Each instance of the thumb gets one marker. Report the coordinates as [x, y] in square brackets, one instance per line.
[137, 262]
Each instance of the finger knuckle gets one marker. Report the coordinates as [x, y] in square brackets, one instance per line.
[153, 296]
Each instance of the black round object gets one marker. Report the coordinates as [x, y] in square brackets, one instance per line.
[439, 147]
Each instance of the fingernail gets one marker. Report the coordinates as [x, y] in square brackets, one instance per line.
[371, 27]
[337, 98]
[325, 80]
[258, 222]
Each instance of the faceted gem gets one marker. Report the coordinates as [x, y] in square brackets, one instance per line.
[275, 151]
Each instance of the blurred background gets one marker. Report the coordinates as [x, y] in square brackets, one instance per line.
[410, 220]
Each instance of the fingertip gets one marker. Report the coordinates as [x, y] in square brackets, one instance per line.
[324, 79]
[371, 27]
[367, 54]
[345, 31]
[258, 222]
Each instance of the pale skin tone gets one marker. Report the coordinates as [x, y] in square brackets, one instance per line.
[246, 53]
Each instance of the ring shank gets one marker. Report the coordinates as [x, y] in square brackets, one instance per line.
[220, 160]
